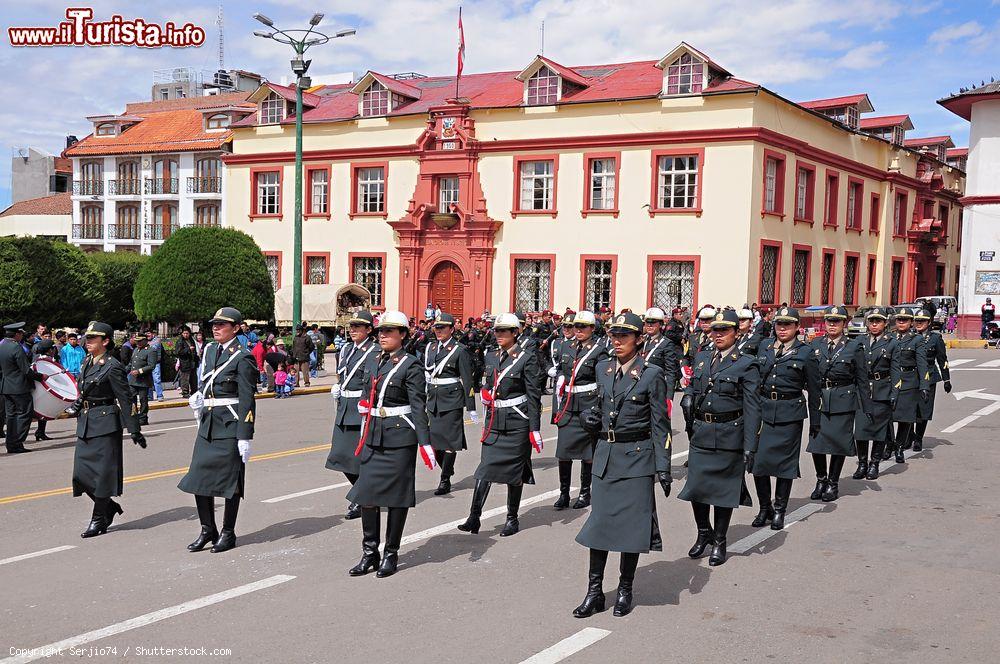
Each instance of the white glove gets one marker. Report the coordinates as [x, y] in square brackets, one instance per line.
[552, 372]
[196, 401]
[474, 416]
[364, 406]
[427, 376]
[335, 391]
[244, 448]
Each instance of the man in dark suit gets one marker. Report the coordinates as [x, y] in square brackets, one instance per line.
[16, 384]
[140, 375]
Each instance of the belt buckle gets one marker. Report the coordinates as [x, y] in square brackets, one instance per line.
[709, 417]
[774, 396]
[611, 435]
[381, 412]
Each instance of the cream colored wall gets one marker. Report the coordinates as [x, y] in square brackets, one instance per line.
[37, 224]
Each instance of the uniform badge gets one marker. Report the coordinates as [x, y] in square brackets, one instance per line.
[232, 349]
[611, 370]
[634, 373]
[733, 356]
[101, 361]
[720, 316]
[249, 418]
[620, 319]
[701, 364]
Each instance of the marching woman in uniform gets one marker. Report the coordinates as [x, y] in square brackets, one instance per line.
[871, 425]
[394, 427]
[912, 383]
[511, 424]
[723, 402]
[787, 368]
[346, 393]
[632, 454]
[843, 380]
[937, 363]
[448, 373]
[225, 409]
[577, 390]
[105, 410]
[560, 344]
[659, 350]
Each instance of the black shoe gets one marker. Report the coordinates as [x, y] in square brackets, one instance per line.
[208, 536]
[862, 471]
[623, 602]
[41, 437]
[593, 602]
[226, 541]
[765, 514]
[479, 495]
[471, 525]
[718, 556]
[586, 475]
[443, 488]
[918, 444]
[353, 512]
[369, 563]
[779, 520]
[832, 492]
[370, 524]
[389, 564]
[563, 501]
[820, 488]
[704, 539]
[98, 526]
[899, 455]
[511, 527]
[113, 510]
[583, 501]
[886, 453]
[19, 450]
[872, 470]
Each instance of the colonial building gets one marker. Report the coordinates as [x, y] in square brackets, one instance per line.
[46, 217]
[142, 174]
[661, 182]
[980, 263]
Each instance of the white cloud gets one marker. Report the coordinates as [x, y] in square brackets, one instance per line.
[944, 37]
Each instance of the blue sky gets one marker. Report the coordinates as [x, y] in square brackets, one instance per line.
[905, 55]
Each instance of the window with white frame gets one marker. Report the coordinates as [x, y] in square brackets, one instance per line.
[897, 135]
[371, 189]
[316, 268]
[677, 181]
[272, 109]
[107, 129]
[770, 184]
[673, 284]
[447, 194]
[599, 284]
[268, 192]
[537, 185]
[367, 272]
[802, 194]
[273, 264]
[532, 284]
[319, 191]
[602, 184]
[685, 75]
[375, 100]
[543, 87]
[218, 121]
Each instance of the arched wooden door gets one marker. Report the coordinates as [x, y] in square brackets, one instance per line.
[447, 289]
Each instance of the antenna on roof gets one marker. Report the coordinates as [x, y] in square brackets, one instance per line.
[222, 50]
[542, 31]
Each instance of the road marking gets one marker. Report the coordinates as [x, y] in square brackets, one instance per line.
[961, 423]
[307, 492]
[26, 556]
[990, 364]
[33, 654]
[976, 394]
[976, 369]
[957, 363]
[186, 426]
[568, 646]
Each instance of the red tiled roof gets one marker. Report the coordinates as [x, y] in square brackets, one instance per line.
[927, 140]
[961, 103]
[162, 131]
[567, 73]
[309, 99]
[885, 121]
[399, 87]
[63, 165]
[836, 102]
[957, 152]
[630, 80]
[54, 204]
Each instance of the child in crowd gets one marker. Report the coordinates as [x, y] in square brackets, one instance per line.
[952, 323]
[281, 379]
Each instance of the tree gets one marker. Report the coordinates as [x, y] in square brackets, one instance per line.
[198, 270]
[119, 272]
[46, 281]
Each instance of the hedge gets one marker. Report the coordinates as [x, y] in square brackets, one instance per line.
[119, 272]
[46, 281]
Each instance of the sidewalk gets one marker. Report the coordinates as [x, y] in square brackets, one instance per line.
[321, 383]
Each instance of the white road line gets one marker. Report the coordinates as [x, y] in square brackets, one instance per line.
[976, 369]
[33, 654]
[186, 426]
[307, 492]
[957, 363]
[36, 554]
[988, 365]
[961, 423]
[568, 646]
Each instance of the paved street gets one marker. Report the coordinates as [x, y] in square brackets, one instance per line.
[904, 567]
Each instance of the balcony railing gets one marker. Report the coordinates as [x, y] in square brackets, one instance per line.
[158, 231]
[88, 231]
[123, 231]
[88, 187]
[201, 185]
[131, 187]
[161, 186]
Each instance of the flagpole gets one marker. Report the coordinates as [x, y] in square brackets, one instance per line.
[458, 73]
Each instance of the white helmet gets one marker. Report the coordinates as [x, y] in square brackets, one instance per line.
[706, 313]
[394, 319]
[654, 314]
[506, 321]
[585, 317]
[745, 314]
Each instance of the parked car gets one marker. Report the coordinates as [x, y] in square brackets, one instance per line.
[944, 306]
[856, 325]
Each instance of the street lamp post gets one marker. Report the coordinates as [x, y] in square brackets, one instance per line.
[301, 41]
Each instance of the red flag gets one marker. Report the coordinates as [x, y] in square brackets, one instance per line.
[461, 45]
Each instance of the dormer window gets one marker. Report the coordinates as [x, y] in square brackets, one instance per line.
[107, 129]
[685, 75]
[846, 115]
[375, 100]
[218, 121]
[543, 88]
[272, 109]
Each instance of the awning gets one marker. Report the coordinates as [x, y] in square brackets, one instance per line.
[323, 304]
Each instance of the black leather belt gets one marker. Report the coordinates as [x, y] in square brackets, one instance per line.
[878, 375]
[629, 437]
[94, 403]
[778, 396]
[719, 417]
[908, 368]
[828, 384]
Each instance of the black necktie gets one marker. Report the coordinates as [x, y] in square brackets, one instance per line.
[833, 344]
[716, 360]
[779, 351]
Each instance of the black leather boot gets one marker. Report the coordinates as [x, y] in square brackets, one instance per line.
[227, 538]
[877, 452]
[623, 600]
[393, 535]
[447, 463]
[722, 517]
[479, 495]
[586, 474]
[98, 520]
[206, 514]
[890, 445]
[918, 436]
[513, 505]
[821, 484]
[819, 463]
[353, 512]
[903, 441]
[594, 601]
[565, 477]
[782, 490]
[763, 485]
[701, 518]
[862, 471]
[370, 559]
[113, 509]
[832, 491]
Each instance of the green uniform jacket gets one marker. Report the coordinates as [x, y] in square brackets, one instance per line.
[143, 360]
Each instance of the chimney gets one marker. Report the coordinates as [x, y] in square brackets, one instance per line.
[71, 141]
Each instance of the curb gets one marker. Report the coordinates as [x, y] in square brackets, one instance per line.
[966, 343]
[177, 403]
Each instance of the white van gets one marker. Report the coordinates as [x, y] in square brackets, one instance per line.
[945, 305]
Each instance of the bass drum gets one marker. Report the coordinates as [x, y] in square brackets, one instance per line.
[56, 392]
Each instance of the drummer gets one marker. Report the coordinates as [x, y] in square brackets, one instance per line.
[105, 408]
[45, 348]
